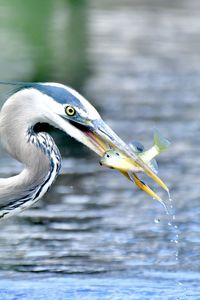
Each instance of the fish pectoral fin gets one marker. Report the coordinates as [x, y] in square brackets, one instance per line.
[154, 166]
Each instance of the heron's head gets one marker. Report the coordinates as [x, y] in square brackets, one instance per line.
[67, 110]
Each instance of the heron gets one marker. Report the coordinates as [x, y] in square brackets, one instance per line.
[64, 108]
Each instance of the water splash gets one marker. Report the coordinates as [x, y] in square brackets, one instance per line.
[170, 212]
[174, 229]
[165, 207]
[175, 240]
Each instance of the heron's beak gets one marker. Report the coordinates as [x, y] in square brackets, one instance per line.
[143, 186]
[102, 138]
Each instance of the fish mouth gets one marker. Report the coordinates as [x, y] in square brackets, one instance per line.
[102, 138]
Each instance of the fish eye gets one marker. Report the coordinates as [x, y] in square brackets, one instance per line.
[70, 110]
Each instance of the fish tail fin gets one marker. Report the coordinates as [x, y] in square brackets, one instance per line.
[160, 142]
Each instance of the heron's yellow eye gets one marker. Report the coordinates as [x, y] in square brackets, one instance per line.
[70, 111]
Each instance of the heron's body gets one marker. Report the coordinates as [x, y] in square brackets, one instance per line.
[63, 108]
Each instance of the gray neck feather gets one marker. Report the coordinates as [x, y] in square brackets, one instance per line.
[37, 152]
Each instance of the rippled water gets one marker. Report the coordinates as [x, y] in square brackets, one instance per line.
[93, 236]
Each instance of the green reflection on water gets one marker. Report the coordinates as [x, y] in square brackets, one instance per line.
[53, 34]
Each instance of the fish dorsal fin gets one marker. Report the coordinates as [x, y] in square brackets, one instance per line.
[137, 147]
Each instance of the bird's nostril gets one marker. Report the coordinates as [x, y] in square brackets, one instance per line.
[107, 155]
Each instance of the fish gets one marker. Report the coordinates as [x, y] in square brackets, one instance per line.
[116, 159]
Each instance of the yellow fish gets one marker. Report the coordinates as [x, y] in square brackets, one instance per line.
[119, 160]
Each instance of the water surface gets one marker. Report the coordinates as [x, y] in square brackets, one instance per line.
[93, 236]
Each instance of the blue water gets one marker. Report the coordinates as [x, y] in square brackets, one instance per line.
[94, 235]
[92, 287]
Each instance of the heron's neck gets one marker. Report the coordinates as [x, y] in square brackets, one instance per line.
[39, 155]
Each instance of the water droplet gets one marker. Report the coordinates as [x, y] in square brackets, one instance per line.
[165, 207]
[169, 196]
[156, 220]
[174, 229]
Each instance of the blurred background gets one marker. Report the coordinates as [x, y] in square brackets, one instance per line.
[95, 235]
